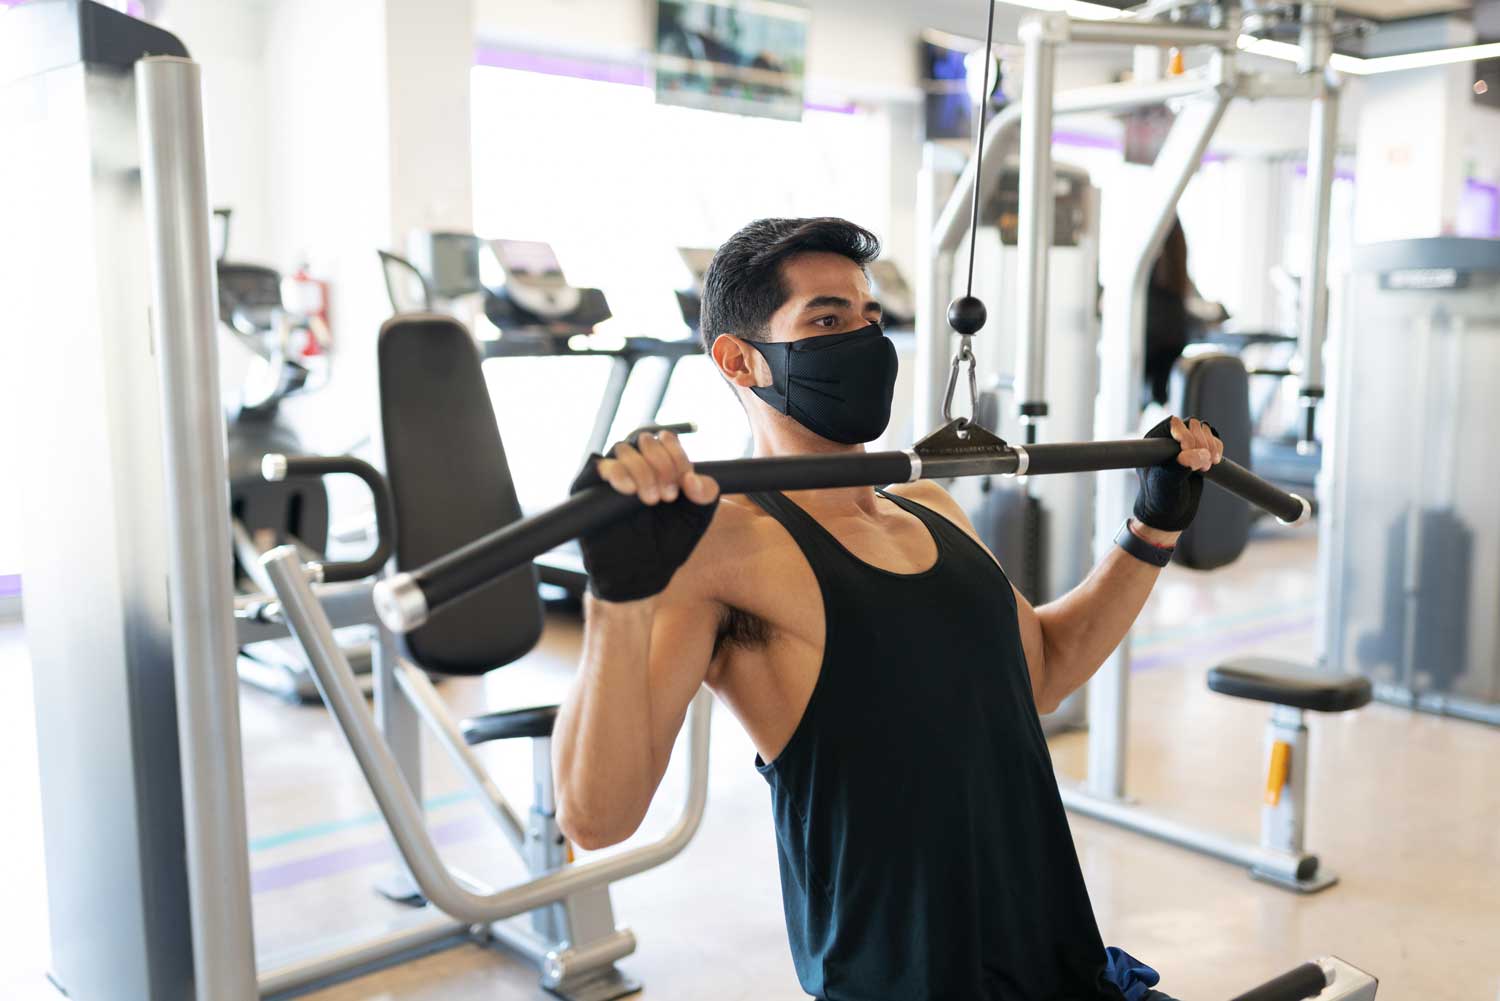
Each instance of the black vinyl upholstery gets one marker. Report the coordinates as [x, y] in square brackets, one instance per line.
[1214, 387]
[1265, 679]
[451, 484]
[509, 724]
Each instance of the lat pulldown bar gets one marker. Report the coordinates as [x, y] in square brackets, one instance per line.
[407, 600]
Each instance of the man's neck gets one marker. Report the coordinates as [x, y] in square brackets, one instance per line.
[786, 437]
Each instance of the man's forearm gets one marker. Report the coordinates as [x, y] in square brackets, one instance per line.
[602, 742]
[1082, 628]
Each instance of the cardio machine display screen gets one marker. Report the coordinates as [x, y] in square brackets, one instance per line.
[529, 258]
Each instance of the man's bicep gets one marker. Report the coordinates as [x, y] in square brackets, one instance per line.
[682, 645]
[1032, 642]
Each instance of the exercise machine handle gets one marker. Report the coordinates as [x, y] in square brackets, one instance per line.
[1297, 984]
[276, 467]
[406, 600]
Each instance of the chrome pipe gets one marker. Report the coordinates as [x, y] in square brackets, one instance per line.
[1037, 206]
[424, 698]
[290, 977]
[1283, 866]
[403, 814]
[174, 182]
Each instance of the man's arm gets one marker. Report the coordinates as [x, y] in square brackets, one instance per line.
[643, 661]
[648, 640]
[1067, 640]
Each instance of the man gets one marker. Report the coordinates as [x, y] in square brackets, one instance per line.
[886, 671]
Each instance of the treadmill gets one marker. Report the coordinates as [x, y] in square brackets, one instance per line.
[540, 314]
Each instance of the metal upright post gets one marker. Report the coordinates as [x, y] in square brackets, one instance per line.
[1122, 352]
[174, 183]
[1322, 145]
[934, 286]
[1037, 201]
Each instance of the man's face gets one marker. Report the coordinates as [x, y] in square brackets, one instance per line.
[826, 294]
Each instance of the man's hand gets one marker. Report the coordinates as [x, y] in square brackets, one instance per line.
[635, 558]
[1169, 493]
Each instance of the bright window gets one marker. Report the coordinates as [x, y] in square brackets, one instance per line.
[615, 184]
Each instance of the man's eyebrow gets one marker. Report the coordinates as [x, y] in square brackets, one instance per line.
[826, 302]
[836, 302]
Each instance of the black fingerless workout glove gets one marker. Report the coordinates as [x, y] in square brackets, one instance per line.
[1168, 498]
[635, 557]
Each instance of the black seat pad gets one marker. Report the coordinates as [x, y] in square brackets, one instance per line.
[1286, 684]
[1214, 387]
[451, 485]
[534, 722]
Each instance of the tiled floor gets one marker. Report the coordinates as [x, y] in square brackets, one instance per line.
[1406, 807]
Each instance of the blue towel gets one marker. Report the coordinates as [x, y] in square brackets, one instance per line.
[1134, 978]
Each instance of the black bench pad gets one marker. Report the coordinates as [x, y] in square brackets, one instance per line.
[535, 722]
[1286, 684]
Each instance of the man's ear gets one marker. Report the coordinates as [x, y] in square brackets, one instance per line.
[739, 362]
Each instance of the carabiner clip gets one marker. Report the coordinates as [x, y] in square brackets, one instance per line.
[965, 354]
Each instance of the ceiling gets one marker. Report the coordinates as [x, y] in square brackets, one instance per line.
[1394, 10]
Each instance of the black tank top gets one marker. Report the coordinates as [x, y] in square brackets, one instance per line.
[924, 850]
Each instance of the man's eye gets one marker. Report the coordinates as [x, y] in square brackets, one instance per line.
[827, 321]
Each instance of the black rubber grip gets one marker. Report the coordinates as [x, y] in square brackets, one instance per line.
[1305, 981]
[311, 466]
[450, 577]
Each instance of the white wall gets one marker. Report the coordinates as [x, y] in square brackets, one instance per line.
[328, 162]
[1410, 153]
[862, 48]
[229, 41]
[429, 56]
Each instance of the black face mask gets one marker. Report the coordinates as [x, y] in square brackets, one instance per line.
[838, 386]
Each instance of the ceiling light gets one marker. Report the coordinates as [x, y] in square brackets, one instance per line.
[1080, 9]
[1289, 52]
[1433, 57]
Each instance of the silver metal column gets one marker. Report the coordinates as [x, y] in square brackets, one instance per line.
[934, 286]
[1281, 822]
[403, 814]
[1037, 200]
[183, 314]
[94, 539]
[1322, 148]
[1122, 350]
[948, 228]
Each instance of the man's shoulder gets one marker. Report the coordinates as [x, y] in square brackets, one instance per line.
[739, 536]
[929, 493]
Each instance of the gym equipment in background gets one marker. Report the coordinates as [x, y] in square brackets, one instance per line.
[1201, 99]
[1410, 550]
[1040, 530]
[539, 315]
[268, 353]
[143, 493]
[690, 297]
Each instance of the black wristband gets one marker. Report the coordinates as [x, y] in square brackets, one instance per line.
[1146, 552]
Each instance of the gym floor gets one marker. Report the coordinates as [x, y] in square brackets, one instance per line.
[1406, 807]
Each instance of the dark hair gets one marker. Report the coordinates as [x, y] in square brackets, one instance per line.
[1171, 271]
[743, 286]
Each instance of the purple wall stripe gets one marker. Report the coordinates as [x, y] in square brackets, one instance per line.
[555, 65]
[10, 585]
[600, 70]
[321, 866]
[1221, 645]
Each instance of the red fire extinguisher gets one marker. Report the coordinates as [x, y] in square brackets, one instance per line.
[309, 298]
